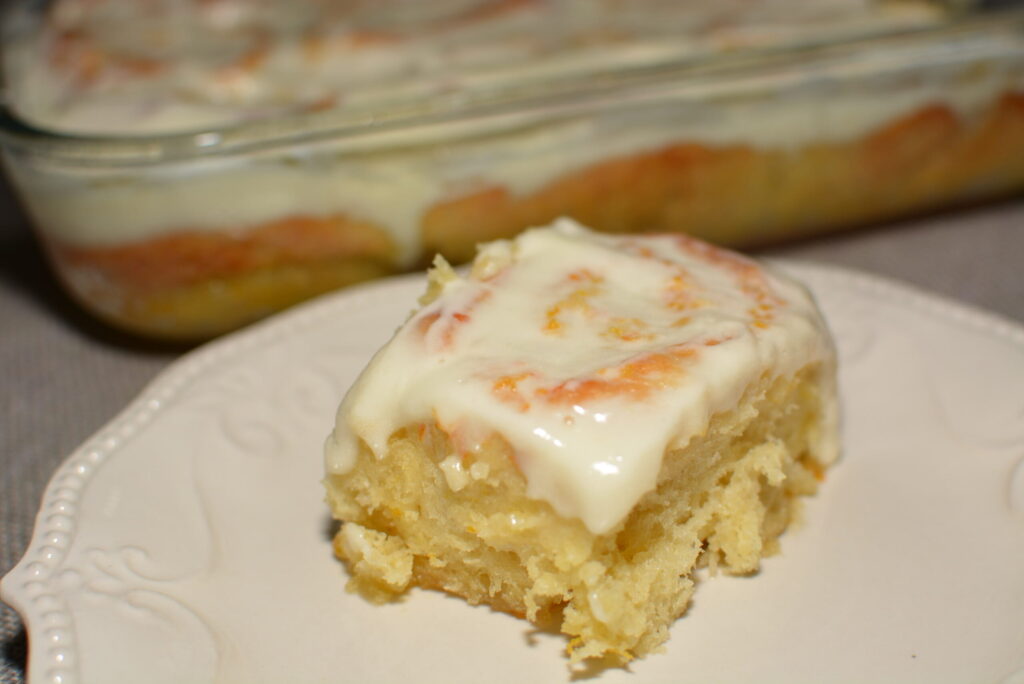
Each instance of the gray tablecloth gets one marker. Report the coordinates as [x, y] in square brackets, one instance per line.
[64, 375]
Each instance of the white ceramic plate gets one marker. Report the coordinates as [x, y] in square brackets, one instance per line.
[188, 541]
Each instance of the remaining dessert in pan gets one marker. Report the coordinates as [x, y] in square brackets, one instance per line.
[573, 428]
[165, 66]
[254, 154]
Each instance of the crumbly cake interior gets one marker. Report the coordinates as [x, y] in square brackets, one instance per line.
[420, 516]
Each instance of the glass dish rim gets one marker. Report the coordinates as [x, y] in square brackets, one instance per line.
[445, 115]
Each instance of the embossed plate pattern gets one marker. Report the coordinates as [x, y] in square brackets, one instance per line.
[188, 542]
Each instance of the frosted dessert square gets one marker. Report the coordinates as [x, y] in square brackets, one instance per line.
[572, 429]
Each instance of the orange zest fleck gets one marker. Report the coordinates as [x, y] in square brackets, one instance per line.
[636, 379]
[577, 300]
[749, 276]
[247, 63]
[313, 46]
[427, 321]
[448, 324]
[506, 388]
[86, 62]
[680, 293]
[627, 330]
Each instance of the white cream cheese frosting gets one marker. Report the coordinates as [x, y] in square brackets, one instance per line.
[590, 354]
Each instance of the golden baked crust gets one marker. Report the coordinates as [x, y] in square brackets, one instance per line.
[928, 158]
[721, 501]
[194, 284]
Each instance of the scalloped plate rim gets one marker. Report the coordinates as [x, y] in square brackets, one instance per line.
[149, 402]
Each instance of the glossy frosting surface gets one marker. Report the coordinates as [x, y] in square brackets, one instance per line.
[590, 354]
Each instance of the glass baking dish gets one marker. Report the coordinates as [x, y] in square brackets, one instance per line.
[752, 132]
